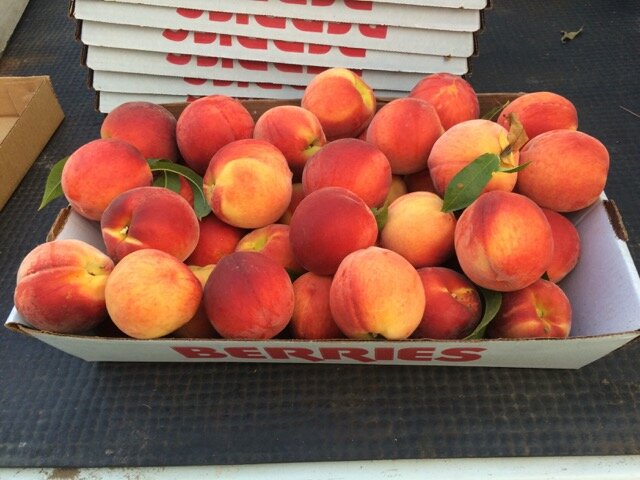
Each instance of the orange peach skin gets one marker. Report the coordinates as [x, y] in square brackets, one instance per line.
[567, 170]
[216, 240]
[566, 245]
[503, 241]
[297, 194]
[419, 230]
[541, 310]
[60, 286]
[272, 241]
[199, 325]
[312, 319]
[149, 217]
[208, 124]
[376, 293]
[396, 190]
[149, 127]
[151, 293]
[248, 184]
[405, 130]
[540, 112]
[248, 296]
[99, 171]
[353, 164]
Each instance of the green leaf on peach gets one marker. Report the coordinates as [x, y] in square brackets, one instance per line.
[381, 214]
[492, 113]
[468, 183]
[53, 186]
[492, 303]
[168, 180]
[514, 169]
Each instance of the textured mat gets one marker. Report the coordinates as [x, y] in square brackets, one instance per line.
[56, 410]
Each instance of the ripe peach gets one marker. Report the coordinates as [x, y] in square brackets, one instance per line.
[541, 310]
[503, 241]
[405, 130]
[209, 123]
[186, 191]
[216, 240]
[419, 181]
[199, 325]
[312, 319]
[452, 96]
[376, 293]
[295, 131]
[419, 230]
[539, 112]
[297, 194]
[353, 164]
[149, 217]
[396, 190]
[248, 184]
[149, 127]
[462, 144]
[453, 307]
[567, 170]
[60, 286]
[248, 296]
[272, 241]
[329, 224]
[566, 245]
[150, 293]
[99, 171]
[341, 100]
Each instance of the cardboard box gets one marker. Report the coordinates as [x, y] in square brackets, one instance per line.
[29, 115]
[604, 290]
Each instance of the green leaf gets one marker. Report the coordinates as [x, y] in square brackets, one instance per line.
[514, 169]
[53, 187]
[168, 180]
[381, 214]
[492, 303]
[468, 183]
[493, 113]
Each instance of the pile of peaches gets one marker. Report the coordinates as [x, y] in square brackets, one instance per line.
[340, 216]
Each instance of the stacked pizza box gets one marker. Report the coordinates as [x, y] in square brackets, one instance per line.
[169, 51]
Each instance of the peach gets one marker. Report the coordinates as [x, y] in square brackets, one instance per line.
[462, 144]
[216, 240]
[539, 112]
[376, 293]
[297, 194]
[405, 130]
[60, 286]
[186, 191]
[209, 123]
[329, 224]
[418, 229]
[149, 217]
[199, 325]
[99, 171]
[248, 184]
[272, 241]
[353, 164]
[567, 170]
[343, 102]
[503, 241]
[453, 307]
[248, 296]
[149, 127]
[566, 245]
[312, 319]
[396, 190]
[295, 131]
[150, 293]
[452, 96]
[419, 181]
[541, 310]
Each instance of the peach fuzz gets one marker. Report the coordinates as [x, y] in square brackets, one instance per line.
[60, 286]
[541, 310]
[150, 293]
[329, 224]
[343, 103]
[312, 319]
[405, 130]
[452, 96]
[418, 229]
[376, 293]
[566, 245]
[567, 170]
[539, 112]
[297, 194]
[149, 217]
[199, 325]
[209, 123]
[353, 164]
[462, 144]
[503, 241]
[453, 306]
[272, 241]
[248, 184]
[216, 240]
[295, 131]
[248, 296]
[149, 127]
[99, 171]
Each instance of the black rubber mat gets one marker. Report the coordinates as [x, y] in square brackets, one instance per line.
[56, 410]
